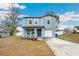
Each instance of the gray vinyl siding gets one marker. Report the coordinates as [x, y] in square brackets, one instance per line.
[42, 22]
[27, 21]
[50, 26]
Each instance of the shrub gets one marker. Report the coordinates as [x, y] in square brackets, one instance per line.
[75, 32]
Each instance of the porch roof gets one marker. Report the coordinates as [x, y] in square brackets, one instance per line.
[33, 27]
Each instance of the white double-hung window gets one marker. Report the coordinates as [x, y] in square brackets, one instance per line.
[49, 21]
[36, 22]
[30, 21]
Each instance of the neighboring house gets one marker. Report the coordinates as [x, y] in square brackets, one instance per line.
[68, 30]
[41, 27]
[76, 28]
[3, 32]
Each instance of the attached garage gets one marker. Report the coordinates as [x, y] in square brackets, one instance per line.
[48, 33]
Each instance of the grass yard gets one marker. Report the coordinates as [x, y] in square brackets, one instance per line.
[70, 37]
[14, 46]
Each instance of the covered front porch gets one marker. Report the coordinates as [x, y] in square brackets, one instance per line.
[34, 32]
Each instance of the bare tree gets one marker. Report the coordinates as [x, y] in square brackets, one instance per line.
[12, 19]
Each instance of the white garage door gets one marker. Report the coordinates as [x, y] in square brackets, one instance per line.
[48, 33]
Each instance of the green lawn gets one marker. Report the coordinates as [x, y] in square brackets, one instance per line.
[70, 37]
[15, 46]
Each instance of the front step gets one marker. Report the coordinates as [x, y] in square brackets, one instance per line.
[39, 39]
[30, 38]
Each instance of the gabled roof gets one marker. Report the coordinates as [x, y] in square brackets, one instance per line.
[76, 26]
[52, 14]
[47, 14]
[32, 17]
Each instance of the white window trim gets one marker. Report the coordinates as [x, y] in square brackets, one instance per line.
[36, 20]
[47, 21]
[31, 20]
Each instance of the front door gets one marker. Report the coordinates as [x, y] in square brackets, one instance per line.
[39, 32]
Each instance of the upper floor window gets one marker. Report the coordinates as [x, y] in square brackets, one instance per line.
[30, 21]
[48, 21]
[36, 21]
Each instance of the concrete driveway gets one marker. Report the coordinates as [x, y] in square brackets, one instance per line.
[63, 48]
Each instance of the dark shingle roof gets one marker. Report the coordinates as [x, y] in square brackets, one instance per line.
[52, 14]
[47, 14]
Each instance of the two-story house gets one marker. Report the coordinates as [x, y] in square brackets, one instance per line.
[41, 27]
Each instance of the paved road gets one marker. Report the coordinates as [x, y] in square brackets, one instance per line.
[63, 48]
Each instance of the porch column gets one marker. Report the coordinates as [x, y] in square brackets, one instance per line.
[35, 32]
[53, 33]
[42, 33]
[24, 33]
